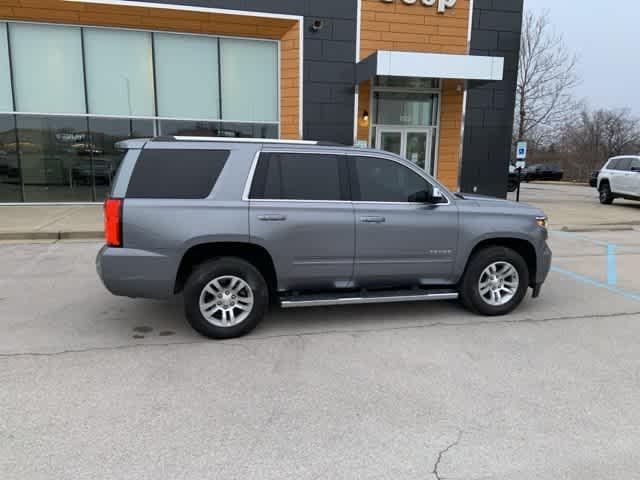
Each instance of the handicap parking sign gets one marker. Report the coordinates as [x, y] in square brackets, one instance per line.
[521, 151]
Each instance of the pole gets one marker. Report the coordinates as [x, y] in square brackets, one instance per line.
[519, 169]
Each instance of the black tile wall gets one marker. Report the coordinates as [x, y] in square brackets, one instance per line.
[329, 57]
[489, 122]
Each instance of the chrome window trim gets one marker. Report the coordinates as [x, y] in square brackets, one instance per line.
[415, 169]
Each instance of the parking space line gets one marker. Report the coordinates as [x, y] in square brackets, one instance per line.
[596, 242]
[595, 283]
[612, 274]
[579, 237]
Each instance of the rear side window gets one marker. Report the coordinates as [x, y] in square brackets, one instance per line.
[180, 174]
[298, 176]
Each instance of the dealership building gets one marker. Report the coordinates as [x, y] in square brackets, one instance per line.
[431, 80]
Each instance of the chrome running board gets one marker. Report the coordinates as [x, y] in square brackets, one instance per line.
[356, 298]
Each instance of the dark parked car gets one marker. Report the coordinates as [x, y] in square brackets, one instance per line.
[593, 181]
[543, 172]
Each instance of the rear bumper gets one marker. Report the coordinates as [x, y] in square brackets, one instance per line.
[136, 273]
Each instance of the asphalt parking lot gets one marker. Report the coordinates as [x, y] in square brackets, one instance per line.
[95, 386]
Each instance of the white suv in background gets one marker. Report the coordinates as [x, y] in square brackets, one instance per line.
[620, 178]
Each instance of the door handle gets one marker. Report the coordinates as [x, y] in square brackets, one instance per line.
[272, 218]
[373, 219]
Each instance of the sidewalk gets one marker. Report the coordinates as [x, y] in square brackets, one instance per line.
[51, 222]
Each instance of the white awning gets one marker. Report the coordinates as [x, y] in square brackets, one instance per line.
[430, 65]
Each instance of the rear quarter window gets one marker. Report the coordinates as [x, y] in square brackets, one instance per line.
[176, 174]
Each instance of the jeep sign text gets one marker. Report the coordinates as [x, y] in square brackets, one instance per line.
[442, 4]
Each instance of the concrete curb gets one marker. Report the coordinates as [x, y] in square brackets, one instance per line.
[598, 228]
[71, 235]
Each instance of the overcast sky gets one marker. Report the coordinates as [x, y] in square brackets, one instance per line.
[606, 36]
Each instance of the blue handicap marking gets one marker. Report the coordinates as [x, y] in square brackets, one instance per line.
[612, 274]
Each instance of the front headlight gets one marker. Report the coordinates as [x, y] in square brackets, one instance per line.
[543, 222]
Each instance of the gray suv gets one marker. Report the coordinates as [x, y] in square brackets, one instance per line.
[237, 225]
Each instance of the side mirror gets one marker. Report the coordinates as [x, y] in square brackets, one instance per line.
[437, 196]
[426, 196]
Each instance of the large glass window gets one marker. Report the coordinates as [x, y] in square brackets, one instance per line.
[293, 176]
[68, 94]
[382, 180]
[119, 72]
[104, 134]
[406, 108]
[249, 72]
[417, 83]
[47, 68]
[10, 185]
[217, 129]
[187, 76]
[51, 148]
[6, 100]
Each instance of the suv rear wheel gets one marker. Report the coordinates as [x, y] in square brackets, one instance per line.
[495, 282]
[606, 196]
[225, 298]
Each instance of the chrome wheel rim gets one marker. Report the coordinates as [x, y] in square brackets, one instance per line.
[226, 301]
[498, 283]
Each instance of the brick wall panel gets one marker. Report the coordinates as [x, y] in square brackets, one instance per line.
[416, 28]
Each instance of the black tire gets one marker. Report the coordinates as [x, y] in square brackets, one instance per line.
[512, 186]
[469, 286]
[606, 196]
[203, 274]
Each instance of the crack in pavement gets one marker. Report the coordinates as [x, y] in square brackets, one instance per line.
[441, 453]
[248, 340]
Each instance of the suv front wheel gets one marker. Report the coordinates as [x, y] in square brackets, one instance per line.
[495, 282]
[606, 196]
[225, 298]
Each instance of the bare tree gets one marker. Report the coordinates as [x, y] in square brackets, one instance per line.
[594, 136]
[546, 78]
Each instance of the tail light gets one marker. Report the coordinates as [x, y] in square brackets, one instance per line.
[113, 222]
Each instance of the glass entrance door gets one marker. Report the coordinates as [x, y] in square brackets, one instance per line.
[414, 144]
[391, 140]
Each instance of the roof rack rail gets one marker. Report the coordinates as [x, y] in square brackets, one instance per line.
[180, 138]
